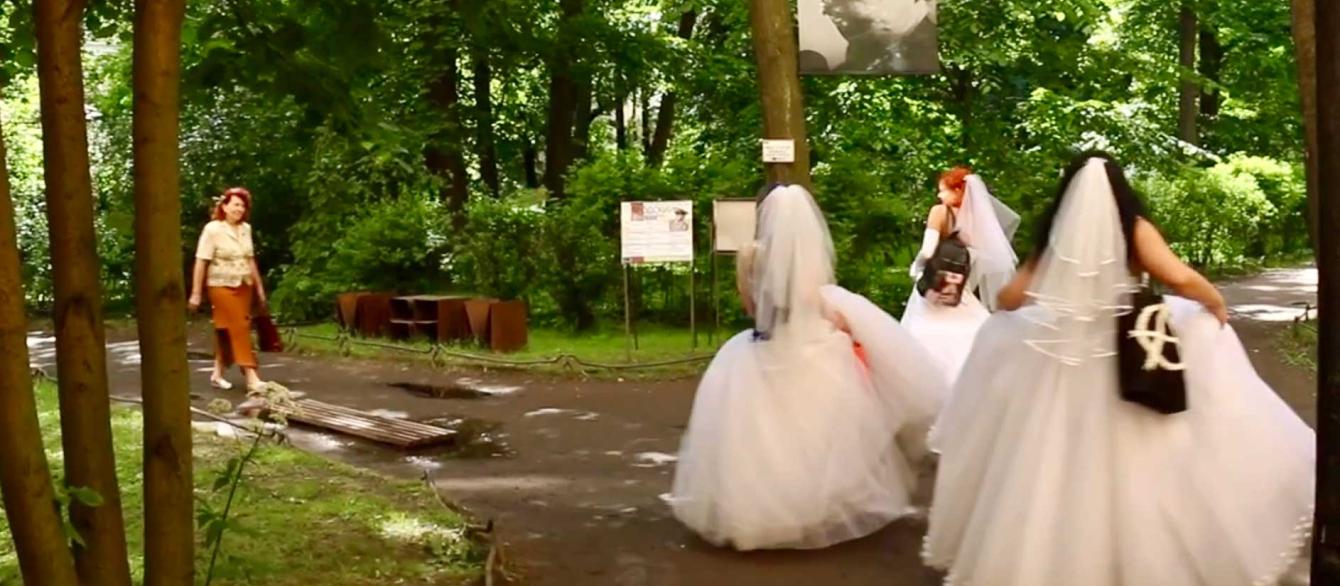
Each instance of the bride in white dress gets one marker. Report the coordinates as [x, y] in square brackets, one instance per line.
[791, 443]
[1051, 479]
[985, 225]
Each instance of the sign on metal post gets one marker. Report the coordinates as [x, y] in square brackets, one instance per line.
[655, 232]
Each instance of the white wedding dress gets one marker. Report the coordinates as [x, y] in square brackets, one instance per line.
[791, 442]
[986, 226]
[1051, 479]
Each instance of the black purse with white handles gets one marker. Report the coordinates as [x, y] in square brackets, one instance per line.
[1149, 360]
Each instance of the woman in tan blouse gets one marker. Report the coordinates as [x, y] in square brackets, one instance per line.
[227, 256]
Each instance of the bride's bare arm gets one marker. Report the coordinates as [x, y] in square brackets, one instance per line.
[1014, 294]
[1162, 263]
[744, 271]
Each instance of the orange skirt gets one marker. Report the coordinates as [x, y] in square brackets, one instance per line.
[232, 325]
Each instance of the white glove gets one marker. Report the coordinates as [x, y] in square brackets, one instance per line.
[929, 242]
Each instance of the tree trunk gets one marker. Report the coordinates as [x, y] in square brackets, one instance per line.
[81, 356]
[779, 83]
[1186, 60]
[444, 156]
[1211, 59]
[562, 101]
[621, 121]
[1305, 53]
[1326, 532]
[169, 531]
[529, 162]
[25, 479]
[644, 120]
[484, 135]
[665, 117]
[581, 132]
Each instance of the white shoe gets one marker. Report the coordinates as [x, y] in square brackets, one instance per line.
[221, 384]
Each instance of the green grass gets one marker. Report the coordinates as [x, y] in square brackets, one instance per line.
[607, 346]
[1298, 345]
[301, 519]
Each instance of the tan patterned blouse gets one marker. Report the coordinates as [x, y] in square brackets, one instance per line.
[229, 251]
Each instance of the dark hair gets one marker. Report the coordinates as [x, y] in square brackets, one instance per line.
[766, 191]
[1129, 205]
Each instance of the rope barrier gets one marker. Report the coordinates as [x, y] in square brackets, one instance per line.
[441, 355]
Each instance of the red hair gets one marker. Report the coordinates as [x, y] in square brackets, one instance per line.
[228, 195]
[956, 179]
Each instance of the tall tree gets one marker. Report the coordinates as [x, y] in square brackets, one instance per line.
[81, 356]
[444, 156]
[774, 38]
[1325, 543]
[665, 116]
[1305, 55]
[485, 144]
[160, 295]
[1211, 59]
[1187, 87]
[564, 98]
[25, 479]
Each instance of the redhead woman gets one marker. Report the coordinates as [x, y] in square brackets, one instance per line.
[225, 264]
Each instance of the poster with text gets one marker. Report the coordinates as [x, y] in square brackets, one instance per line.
[656, 231]
[733, 223]
[868, 37]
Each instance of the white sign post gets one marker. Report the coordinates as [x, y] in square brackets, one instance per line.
[653, 232]
[733, 224]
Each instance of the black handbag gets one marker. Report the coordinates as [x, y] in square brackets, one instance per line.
[946, 274]
[1153, 380]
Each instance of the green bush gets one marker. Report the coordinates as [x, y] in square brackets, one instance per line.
[398, 245]
[503, 238]
[1211, 217]
[579, 261]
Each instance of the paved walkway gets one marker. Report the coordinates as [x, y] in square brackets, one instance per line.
[572, 470]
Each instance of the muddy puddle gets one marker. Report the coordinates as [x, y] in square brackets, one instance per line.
[451, 391]
[476, 438]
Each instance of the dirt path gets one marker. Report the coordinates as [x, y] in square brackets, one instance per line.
[574, 475]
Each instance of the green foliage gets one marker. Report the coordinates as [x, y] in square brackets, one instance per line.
[325, 114]
[396, 245]
[579, 260]
[1222, 215]
[357, 527]
[501, 254]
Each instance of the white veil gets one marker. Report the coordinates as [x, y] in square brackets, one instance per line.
[986, 225]
[793, 260]
[1082, 276]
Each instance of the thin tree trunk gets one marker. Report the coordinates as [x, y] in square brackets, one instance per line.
[621, 120]
[1326, 532]
[779, 84]
[581, 131]
[562, 101]
[1211, 59]
[665, 117]
[25, 479]
[444, 157]
[1188, 90]
[169, 531]
[81, 357]
[1305, 53]
[485, 143]
[529, 162]
[644, 120]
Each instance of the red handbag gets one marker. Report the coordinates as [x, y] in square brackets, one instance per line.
[267, 333]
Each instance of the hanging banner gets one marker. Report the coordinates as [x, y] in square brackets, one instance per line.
[656, 231]
[868, 37]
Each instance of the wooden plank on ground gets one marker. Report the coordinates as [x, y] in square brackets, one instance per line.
[397, 432]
